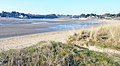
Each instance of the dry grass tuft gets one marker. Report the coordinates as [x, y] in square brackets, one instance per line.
[118, 18]
[105, 36]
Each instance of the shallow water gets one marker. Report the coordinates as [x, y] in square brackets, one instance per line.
[10, 29]
[21, 23]
[69, 26]
[57, 27]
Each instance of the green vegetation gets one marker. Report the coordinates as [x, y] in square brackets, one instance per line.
[105, 37]
[55, 54]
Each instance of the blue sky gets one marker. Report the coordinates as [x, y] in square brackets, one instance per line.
[61, 6]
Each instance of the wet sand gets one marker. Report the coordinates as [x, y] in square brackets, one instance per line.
[21, 27]
[24, 27]
[10, 31]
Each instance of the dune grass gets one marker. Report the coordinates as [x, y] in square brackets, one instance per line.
[105, 36]
[118, 18]
[55, 54]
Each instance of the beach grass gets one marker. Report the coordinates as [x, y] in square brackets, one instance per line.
[106, 36]
[55, 54]
[118, 18]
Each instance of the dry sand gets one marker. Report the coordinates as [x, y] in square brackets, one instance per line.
[28, 40]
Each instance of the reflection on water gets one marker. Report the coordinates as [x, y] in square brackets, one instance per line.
[1, 24]
[39, 23]
[57, 27]
[10, 32]
[69, 26]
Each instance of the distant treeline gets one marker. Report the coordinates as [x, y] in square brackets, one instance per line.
[15, 14]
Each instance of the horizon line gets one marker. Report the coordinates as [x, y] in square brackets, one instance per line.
[55, 13]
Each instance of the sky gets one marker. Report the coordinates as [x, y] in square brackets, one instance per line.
[74, 7]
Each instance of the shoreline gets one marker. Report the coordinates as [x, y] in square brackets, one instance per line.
[44, 20]
[18, 28]
[19, 42]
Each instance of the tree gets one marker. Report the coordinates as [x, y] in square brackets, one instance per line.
[76, 16]
[93, 14]
[83, 15]
[0, 14]
[51, 16]
[107, 15]
[118, 15]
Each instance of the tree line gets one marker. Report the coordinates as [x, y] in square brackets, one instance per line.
[15, 14]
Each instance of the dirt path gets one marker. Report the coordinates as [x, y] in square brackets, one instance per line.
[104, 50]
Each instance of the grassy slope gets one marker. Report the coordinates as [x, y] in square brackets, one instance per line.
[55, 54]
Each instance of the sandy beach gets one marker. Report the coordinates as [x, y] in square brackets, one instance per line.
[18, 42]
[28, 40]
